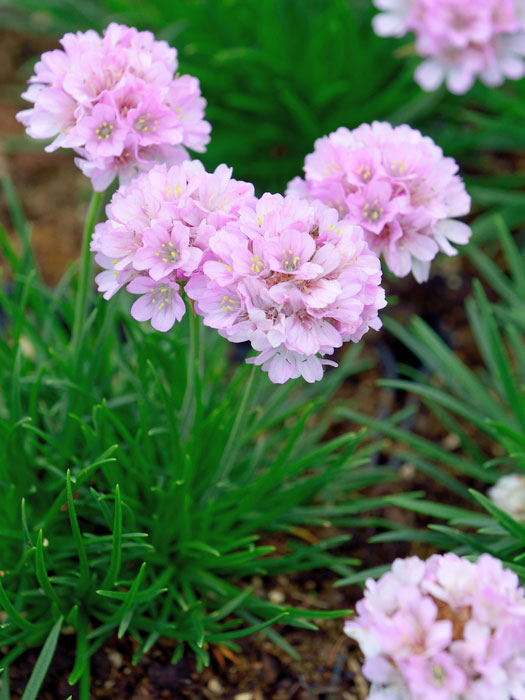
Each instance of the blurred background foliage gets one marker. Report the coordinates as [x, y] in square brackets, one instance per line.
[278, 74]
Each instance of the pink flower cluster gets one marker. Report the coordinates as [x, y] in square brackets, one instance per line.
[114, 100]
[459, 39]
[396, 184]
[444, 629]
[157, 229]
[283, 274]
[292, 280]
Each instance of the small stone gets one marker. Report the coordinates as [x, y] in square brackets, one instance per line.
[451, 442]
[214, 686]
[27, 348]
[407, 471]
[115, 659]
[276, 597]
[243, 696]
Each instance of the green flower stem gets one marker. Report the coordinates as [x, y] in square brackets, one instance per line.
[83, 282]
[234, 441]
[188, 408]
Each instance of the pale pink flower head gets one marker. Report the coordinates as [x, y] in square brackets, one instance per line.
[459, 41]
[157, 233]
[397, 185]
[116, 101]
[444, 629]
[291, 279]
[509, 494]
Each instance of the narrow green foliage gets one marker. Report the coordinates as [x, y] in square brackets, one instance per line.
[506, 521]
[4, 687]
[83, 582]
[489, 400]
[43, 662]
[13, 613]
[41, 572]
[116, 545]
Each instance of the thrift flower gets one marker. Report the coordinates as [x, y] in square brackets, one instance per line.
[157, 230]
[291, 279]
[459, 40]
[396, 184]
[508, 494]
[160, 302]
[116, 102]
[444, 629]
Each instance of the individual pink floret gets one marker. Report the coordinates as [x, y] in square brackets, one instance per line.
[116, 101]
[397, 185]
[102, 132]
[444, 629]
[157, 230]
[166, 249]
[291, 279]
[160, 302]
[460, 40]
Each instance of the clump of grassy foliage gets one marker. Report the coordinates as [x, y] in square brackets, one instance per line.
[142, 476]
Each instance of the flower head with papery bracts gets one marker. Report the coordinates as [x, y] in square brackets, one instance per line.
[396, 184]
[460, 40]
[157, 230]
[291, 279]
[444, 629]
[116, 101]
[508, 494]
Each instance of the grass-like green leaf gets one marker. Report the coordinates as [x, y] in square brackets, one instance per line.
[43, 662]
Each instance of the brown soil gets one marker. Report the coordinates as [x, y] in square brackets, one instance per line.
[53, 194]
[52, 190]
[328, 669]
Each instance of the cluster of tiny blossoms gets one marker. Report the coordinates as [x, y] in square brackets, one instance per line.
[396, 184]
[283, 274]
[444, 629]
[459, 39]
[157, 229]
[115, 101]
[291, 279]
[508, 494]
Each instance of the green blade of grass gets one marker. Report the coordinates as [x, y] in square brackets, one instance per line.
[43, 662]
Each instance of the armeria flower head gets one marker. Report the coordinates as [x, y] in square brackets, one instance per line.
[444, 629]
[460, 41]
[396, 184]
[508, 494]
[157, 230]
[116, 102]
[291, 279]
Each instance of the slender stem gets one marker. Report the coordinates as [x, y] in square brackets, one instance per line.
[192, 368]
[83, 281]
[84, 684]
[233, 444]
